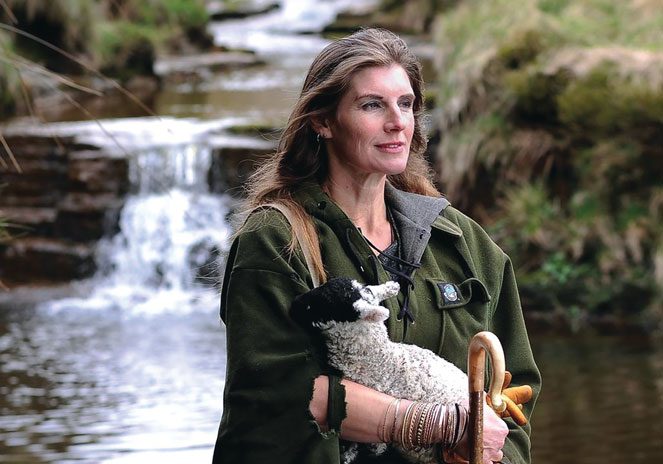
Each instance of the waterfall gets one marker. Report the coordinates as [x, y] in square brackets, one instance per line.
[279, 32]
[171, 234]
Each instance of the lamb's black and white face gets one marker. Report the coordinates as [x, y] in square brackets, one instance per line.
[343, 300]
[368, 306]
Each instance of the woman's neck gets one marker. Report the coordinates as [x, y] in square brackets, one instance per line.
[363, 202]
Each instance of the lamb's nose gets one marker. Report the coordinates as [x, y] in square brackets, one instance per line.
[386, 290]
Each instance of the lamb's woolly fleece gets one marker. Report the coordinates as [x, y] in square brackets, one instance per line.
[362, 350]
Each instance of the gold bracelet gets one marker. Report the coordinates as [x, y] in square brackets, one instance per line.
[452, 418]
[430, 424]
[407, 425]
[404, 425]
[382, 437]
[392, 435]
[421, 426]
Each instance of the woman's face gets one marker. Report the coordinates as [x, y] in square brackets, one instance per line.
[373, 126]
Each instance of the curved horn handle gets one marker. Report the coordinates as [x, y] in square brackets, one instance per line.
[482, 343]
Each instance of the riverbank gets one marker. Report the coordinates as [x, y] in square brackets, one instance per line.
[74, 52]
[551, 121]
[548, 133]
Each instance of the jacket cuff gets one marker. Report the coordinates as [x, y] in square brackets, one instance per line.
[335, 404]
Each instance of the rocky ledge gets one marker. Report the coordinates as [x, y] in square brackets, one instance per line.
[66, 197]
[69, 195]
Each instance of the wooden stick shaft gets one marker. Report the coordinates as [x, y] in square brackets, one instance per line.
[475, 427]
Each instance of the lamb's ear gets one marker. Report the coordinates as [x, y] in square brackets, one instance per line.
[370, 312]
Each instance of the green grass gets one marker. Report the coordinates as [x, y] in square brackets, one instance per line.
[474, 32]
[552, 115]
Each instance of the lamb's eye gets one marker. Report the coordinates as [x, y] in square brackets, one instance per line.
[367, 293]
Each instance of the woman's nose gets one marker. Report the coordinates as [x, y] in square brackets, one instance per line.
[395, 120]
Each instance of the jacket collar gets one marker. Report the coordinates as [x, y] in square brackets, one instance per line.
[415, 215]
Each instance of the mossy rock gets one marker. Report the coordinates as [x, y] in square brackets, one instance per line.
[347, 23]
[126, 50]
[603, 103]
[536, 94]
[521, 48]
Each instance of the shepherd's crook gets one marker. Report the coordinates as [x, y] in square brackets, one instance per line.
[482, 343]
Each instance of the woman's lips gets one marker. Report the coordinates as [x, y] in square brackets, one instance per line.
[391, 147]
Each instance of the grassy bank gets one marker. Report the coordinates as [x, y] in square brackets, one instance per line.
[119, 38]
[552, 118]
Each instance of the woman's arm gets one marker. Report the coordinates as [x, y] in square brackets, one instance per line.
[365, 409]
[271, 361]
[368, 412]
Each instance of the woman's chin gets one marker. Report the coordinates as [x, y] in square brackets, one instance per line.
[395, 169]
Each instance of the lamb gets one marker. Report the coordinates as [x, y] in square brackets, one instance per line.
[351, 320]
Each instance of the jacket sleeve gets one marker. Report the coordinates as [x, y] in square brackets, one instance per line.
[271, 361]
[509, 326]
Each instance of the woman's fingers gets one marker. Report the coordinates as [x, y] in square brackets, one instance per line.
[495, 431]
[491, 456]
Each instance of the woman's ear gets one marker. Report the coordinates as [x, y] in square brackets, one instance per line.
[321, 126]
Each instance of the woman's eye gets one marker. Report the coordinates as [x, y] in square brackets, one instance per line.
[406, 104]
[371, 105]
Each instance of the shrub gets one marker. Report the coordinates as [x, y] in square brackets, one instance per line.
[126, 49]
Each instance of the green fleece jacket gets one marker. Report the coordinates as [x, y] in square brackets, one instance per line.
[272, 361]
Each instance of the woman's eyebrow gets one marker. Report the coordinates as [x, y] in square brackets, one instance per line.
[380, 97]
[369, 95]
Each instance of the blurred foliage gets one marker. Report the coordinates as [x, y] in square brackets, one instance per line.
[552, 128]
[9, 80]
[165, 22]
[408, 16]
[119, 37]
[126, 49]
[66, 24]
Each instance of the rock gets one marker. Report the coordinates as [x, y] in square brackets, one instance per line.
[183, 67]
[40, 259]
[42, 176]
[233, 163]
[92, 171]
[27, 146]
[39, 183]
[67, 196]
[26, 220]
[218, 11]
[84, 217]
[347, 22]
[641, 65]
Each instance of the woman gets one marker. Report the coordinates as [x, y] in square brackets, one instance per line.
[350, 169]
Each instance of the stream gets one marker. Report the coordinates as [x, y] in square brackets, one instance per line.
[128, 366]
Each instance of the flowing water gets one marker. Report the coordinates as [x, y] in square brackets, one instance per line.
[128, 367]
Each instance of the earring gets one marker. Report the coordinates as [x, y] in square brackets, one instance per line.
[317, 139]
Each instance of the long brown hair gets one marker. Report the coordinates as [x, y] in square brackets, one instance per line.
[300, 157]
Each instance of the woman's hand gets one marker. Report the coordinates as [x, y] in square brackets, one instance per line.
[495, 431]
